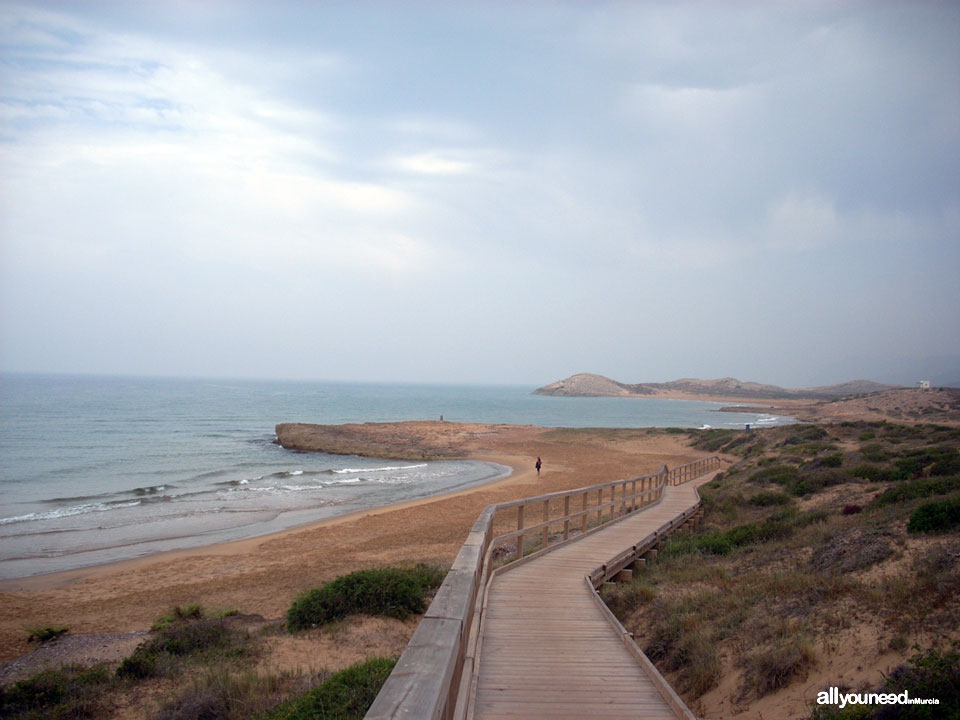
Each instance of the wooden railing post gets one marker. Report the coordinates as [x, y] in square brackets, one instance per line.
[566, 517]
[546, 517]
[584, 516]
[519, 528]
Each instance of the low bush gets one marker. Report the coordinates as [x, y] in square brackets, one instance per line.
[179, 613]
[873, 473]
[779, 524]
[221, 693]
[852, 509]
[804, 434]
[347, 695]
[938, 516]
[776, 667]
[159, 655]
[766, 498]
[393, 592]
[622, 598]
[780, 474]
[45, 633]
[915, 489]
[934, 461]
[834, 460]
[874, 452]
[930, 674]
[813, 480]
[74, 691]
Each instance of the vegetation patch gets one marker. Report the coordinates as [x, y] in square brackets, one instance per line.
[939, 516]
[917, 489]
[932, 461]
[780, 524]
[221, 694]
[873, 473]
[162, 654]
[45, 633]
[75, 691]
[347, 695]
[767, 578]
[930, 674]
[393, 592]
[776, 667]
[766, 498]
[850, 551]
[680, 645]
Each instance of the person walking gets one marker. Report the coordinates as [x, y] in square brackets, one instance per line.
[538, 465]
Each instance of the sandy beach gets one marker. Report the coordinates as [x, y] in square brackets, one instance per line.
[264, 574]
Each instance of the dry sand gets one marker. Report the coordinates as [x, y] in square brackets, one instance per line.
[263, 575]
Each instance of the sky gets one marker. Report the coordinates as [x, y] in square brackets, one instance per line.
[471, 192]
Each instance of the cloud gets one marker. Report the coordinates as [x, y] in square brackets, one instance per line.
[432, 163]
[802, 222]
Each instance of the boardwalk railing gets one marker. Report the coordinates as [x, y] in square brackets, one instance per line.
[432, 679]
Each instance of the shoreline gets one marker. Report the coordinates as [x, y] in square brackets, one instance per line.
[60, 578]
[263, 575]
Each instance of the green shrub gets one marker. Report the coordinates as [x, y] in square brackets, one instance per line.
[74, 691]
[930, 674]
[804, 434]
[937, 460]
[347, 695]
[874, 452]
[831, 461]
[179, 613]
[814, 480]
[779, 525]
[159, 655]
[919, 488]
[873, 473]
[766, 498]
[45, 633]
[780, 474]
[383, 591]
[935, 517]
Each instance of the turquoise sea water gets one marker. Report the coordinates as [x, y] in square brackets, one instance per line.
[96, 469]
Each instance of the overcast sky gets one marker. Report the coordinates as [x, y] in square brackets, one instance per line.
[480, 192]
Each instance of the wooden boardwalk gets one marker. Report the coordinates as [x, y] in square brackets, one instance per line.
[547, 649]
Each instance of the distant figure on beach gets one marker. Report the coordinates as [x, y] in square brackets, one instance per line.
[538, 465]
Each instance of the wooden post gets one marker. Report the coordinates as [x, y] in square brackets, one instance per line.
[566, 517]
[546, 517]
[520, 527]
[599, 510]
[583, 518]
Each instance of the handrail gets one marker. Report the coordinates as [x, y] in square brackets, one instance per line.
[434, 676]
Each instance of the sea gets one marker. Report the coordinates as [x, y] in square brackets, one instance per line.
[100, 469]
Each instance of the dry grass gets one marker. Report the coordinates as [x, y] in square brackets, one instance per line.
[778, 568]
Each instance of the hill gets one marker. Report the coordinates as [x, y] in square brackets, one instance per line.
[590, 385]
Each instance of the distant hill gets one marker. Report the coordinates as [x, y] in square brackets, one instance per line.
[590, 385]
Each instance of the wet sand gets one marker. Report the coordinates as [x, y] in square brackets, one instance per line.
[263, 575]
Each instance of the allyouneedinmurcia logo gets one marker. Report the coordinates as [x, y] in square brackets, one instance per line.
[833, 696]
